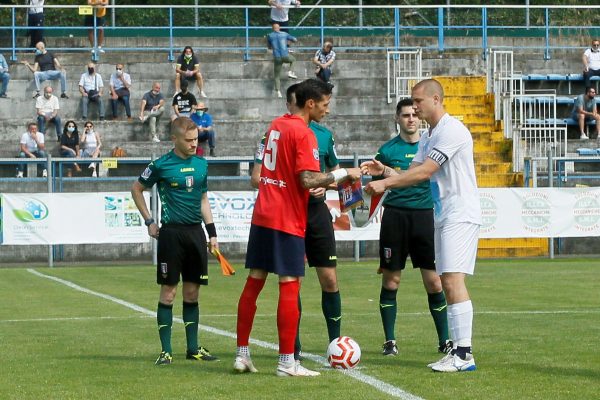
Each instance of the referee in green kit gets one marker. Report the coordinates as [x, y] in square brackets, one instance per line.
[181, 177]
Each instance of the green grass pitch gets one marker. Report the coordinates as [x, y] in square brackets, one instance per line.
[536, 330]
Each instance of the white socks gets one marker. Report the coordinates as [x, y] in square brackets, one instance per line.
[460, 323]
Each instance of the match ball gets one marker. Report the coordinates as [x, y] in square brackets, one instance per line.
[343, 353]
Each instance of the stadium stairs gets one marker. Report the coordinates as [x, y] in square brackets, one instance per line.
[465, 98]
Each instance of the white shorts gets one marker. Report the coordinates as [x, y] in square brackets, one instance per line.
[456, 248]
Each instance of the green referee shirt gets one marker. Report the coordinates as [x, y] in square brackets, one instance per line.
[327, 154]
[398, 154]
[181, 184]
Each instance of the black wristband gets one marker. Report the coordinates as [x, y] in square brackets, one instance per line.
[149, 221]
[211, 230]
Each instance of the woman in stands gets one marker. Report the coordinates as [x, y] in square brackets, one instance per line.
[69, 145]
[90, 144]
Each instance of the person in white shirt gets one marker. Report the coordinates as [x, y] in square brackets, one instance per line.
[90, 144]
[35, 20]
[32, 146]
[445, 158]
[91, 88]
[280, 12]
[120, 82]
[47, 107]
[591, 62]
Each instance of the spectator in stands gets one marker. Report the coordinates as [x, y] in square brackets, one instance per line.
[4, 76]
[187, 68]
[35, 20]
[585, 110]
[120, 82]
[47, 67]
[91, 87]
[152, 108]
[280, 12]
[184, 103]
[32, 146]
[203, 121]
[591, 62]
[277, 41]
[324, 59]
[69, 146]
[100, 13]
[47, 107]
[90, 145]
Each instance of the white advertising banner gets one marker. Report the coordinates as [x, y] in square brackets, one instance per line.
[77, 218]
[540, 212]
[506, 213]
[71, 218]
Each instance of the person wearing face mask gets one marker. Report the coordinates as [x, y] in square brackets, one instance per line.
[47, 108]
[188, 68]
[47, 67]
[90, 144]
[120, 82]
[91, 87]
[69, 146]
[152, 108]
[203, 121]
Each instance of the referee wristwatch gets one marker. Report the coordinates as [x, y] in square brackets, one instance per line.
[149, 221]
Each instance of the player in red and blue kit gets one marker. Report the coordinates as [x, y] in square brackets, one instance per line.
[276, 243]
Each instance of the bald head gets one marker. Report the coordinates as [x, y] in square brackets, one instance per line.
[430, 88]
[428, 96]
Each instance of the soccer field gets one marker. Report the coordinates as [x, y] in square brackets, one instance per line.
[91, 334]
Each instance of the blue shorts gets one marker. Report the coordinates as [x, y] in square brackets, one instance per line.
[275, 251]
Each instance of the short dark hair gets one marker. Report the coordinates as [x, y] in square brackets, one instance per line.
[184, 84]
[314, 89]
[291, 90]
[589, 88]
[407, 102]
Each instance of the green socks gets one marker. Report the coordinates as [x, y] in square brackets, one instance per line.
[331, 304]
[388, 309]
[438, 309]
[164, 318]
[191, 316]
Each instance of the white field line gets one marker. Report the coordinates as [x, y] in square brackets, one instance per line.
[68, 319]
[359, 376]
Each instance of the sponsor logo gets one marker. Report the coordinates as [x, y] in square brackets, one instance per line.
[187, 169]
[489, 212]
[276, 182]
[586, 212]
[33, 210]
[316, 154]
[164, 269]
[536, 212]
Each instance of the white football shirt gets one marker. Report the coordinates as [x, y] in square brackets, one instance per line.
[453, 186]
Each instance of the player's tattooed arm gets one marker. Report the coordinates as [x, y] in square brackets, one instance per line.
[312, 179]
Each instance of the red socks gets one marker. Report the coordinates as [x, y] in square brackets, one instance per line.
[287, 315]
[247, 309]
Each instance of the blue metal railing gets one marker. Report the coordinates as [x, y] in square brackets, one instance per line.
[402, 22]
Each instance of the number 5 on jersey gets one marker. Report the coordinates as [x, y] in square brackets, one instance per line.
[270, 157]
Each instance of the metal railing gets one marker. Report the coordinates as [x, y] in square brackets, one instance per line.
[451, 25]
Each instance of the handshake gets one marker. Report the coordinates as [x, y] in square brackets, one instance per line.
[372, 168]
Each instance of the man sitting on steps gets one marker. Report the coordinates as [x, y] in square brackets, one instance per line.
[585, 110]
